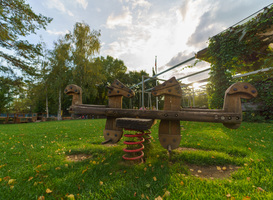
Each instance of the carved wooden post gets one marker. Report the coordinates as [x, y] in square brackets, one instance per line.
[76, 92]
[116, 92]
[233, 96]
[169, 131]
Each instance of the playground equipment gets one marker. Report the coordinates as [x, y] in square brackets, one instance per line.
[7, 117]
[18, 117]
[25, 118]
[170, 116]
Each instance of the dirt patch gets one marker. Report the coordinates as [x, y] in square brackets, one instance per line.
[212, 172]
[188, 149]
[78, 157]
[110, 145]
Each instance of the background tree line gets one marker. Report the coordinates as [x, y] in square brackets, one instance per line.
[32, 78]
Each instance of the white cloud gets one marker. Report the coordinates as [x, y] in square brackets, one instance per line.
[141, 3]
[83, 3]
[59, 5]
[98, 10]
[57, 32]
[124, 19]
[152, 33]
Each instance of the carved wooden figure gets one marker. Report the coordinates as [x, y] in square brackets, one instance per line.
[112, 133]
[76, 92]
[169, 130]
[233, 96]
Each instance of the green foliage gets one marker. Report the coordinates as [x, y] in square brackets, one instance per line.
[8, 88]
[17, 20]
[239, 49]
[134, 77]
[201, 99]
[110, 69]
[84, 44]
[263, 82]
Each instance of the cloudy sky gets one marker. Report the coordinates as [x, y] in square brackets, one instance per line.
[136, 31]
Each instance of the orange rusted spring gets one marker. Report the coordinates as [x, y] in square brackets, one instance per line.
[134, 151]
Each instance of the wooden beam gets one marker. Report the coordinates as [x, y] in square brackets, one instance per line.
[202, 115]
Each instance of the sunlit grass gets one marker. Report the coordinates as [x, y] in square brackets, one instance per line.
[33, 163]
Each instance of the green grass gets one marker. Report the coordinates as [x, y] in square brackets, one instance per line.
[33, 159]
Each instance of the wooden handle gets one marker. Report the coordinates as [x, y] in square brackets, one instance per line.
[119, 89]
[236, 92]
[246, 90]
[232, 101]
[169, 87]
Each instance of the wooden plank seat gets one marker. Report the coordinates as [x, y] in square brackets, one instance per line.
[134, 123]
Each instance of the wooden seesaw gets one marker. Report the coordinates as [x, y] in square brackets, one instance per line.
[170, 116]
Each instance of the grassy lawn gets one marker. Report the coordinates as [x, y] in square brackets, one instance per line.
[33, 163]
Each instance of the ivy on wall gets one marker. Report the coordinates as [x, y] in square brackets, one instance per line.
[263, 82]
[240, 49]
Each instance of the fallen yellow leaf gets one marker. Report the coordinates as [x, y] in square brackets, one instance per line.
[71, 197]
[11, 181]
[181, 183]
[260, 189]
[142, 196]
[101, 183]
[30, 178]
[218, 168]
[228, 195]
[167, 194]
[41, 198]
[145, 169]
[199, 171]
[158, 198]
[48, 191]
[154, 178]
[224, 168]
[84, 171]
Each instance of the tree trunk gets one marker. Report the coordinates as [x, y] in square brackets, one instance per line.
[47, 114]
[60, 105]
